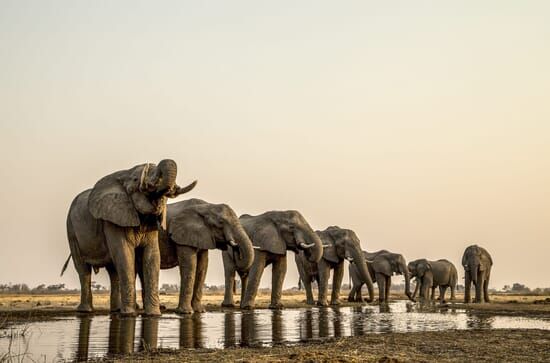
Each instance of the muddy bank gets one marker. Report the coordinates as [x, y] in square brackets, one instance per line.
[448, 346]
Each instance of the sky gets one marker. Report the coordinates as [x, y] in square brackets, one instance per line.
[423, 126]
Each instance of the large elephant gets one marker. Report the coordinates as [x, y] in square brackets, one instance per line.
[431, 274]
[477, 264]
[194, 227]
[338, 245]
[382, 264]
[272, 234]
[114, 225]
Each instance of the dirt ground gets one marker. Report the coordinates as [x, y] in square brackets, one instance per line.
[446, 346]
[449, 346]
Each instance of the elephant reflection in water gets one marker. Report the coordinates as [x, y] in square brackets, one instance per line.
[319, 325]
[121, 336]
[479, 321]
[191, 335]
[252, 330]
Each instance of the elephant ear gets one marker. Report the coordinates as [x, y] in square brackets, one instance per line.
[188, 228]
[329, 248]
[109, 201]
[267, 238]
[382, 265]
[423, 268]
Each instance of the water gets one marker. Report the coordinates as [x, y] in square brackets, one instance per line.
[98, 336]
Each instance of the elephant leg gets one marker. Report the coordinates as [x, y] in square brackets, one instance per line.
[306, 281]
[467, 288]
[187, 259]
[479, 288]
[254, 277]
[486, 288]
[381, 279]
[324, 273]
[228, 294]
[150, 280]
[359, 294]
[416, 288]
[432, 296]
[244, 284]
[139, 270]
[123, 254]
[424, 290]
[337, 278]
[453, 291]
[351, 296]
[86, 298]
[442, 291]
[388, 287]
[277, 279]
[115, 289]
[200, 276]
[229, 271]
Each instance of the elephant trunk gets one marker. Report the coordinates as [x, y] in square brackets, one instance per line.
[167, 171]
[312, 247]
[407, 276]
[473, 272]
[244, 252]
[361, 264]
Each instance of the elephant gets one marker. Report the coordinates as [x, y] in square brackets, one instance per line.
[477, 264]
[382, 264]
[431, 274]
[338, 245]
[272, 234]
[116, 225]
[193, 227]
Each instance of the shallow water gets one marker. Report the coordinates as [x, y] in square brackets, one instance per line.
[86, 337]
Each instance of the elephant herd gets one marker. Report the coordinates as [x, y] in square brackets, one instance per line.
[124, 224]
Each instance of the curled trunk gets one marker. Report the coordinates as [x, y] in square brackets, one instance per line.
[167, 171]
[244, 252]
[361, 266]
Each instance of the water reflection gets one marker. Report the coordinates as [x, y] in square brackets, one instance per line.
[86, 337]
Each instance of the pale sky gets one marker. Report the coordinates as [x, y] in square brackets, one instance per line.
[423, 126]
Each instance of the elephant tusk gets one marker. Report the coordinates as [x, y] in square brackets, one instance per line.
[232, 243]
[305, 246]
[256, 247]
[325, 246]
[350, 259]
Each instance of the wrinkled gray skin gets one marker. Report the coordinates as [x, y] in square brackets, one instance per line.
[382, 264]
[338, 245]
[114, 225]
[272, 234]
[194, 227]
[477, 264]
[432, 274]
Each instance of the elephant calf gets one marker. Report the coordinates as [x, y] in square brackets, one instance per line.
[477, 264]
[338, 244]
[272, 233]
[382, 264]
[194, 227]
[432, 274]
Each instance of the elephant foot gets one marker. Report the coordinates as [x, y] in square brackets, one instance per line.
[184, 310]
[128, 314]
[228, 305]
[247, 307]
[335, 302]
[198, 308]
[85, 308]
[276, 306]
[155, 311]
[322, 303]
[310, 302]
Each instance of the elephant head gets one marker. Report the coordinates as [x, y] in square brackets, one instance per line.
[418, 268]
[204, 225]
[340, 244]
[476, 259]
[388, 263]
[279, 231]
[123, 196]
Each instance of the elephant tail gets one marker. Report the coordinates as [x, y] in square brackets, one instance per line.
[65, 265]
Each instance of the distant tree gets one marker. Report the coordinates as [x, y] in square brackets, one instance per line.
[520, 288]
